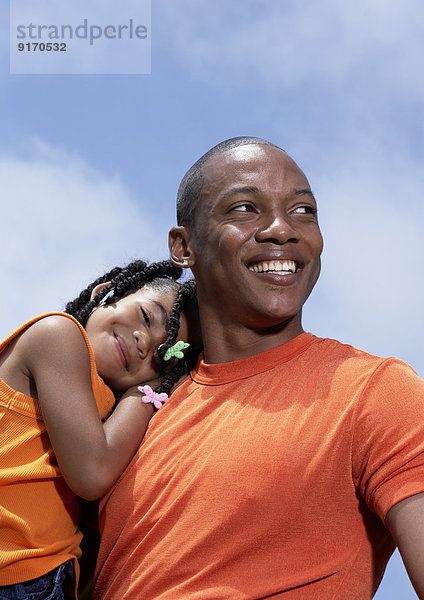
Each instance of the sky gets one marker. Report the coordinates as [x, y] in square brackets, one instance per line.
[90, 164]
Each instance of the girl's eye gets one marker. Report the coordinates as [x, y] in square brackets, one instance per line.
[145, 316]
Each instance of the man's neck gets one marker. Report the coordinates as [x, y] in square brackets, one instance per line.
[227, 342]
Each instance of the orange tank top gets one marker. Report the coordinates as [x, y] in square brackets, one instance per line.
[39, 514]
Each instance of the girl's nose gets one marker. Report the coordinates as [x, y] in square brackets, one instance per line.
[142, 342]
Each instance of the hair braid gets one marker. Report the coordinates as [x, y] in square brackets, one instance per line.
[186, 300]
[124, 281]
[78, 307]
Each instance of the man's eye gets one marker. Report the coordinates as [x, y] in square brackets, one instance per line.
[242, 208]
[145, 316]
[305, 210]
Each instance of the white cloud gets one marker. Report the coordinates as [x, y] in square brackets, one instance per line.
[63, 225]
[292, 43]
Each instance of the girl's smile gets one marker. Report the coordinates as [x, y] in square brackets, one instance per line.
[125, 336]
[122, 351]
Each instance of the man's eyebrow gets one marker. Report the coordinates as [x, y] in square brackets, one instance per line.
[248, 189]
[300, 192]
[251, 189]
[164, 314]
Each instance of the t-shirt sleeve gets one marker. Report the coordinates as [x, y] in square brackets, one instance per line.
[388, 438]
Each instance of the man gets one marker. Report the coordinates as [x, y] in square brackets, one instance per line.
[279, 467]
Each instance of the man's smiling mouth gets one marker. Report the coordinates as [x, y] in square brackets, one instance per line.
[277, 266]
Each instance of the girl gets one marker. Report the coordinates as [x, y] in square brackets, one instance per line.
[58, 376]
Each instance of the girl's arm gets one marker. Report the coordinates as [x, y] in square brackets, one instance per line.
[90, 454]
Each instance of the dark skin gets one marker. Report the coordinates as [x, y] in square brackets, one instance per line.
[256, 209]
[405, 521]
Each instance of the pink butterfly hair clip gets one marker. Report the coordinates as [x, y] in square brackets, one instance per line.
[151, 397]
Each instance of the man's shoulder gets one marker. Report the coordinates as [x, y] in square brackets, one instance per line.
[348, 363]
[338, 350]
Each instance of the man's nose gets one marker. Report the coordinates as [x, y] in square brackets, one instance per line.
[142, 341]
[276, 228]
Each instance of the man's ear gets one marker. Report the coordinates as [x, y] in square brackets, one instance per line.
[180, 249]
[98, 289]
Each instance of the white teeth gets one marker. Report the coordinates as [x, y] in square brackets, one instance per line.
[287, 266]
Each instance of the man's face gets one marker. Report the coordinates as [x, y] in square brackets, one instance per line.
[255, 238]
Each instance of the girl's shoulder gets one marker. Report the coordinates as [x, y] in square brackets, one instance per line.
[52, 339]
[45, 324]
[55, 340]
[53, 323]
[41, 328]
[54, 331]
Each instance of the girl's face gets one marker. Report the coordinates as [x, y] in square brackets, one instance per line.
[125, 336]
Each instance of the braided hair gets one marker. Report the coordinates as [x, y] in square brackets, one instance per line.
[161, 275]
[186, 300]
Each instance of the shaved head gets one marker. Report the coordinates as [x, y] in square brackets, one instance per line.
[192, 183]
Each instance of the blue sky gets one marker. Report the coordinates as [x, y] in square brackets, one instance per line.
[90, 164]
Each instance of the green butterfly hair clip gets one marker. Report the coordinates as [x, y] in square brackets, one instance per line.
[175, 351]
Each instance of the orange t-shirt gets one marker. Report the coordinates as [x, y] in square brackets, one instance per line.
[267, 477]
[39, 514]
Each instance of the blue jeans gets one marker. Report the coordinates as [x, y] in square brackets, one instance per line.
[51, 586]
